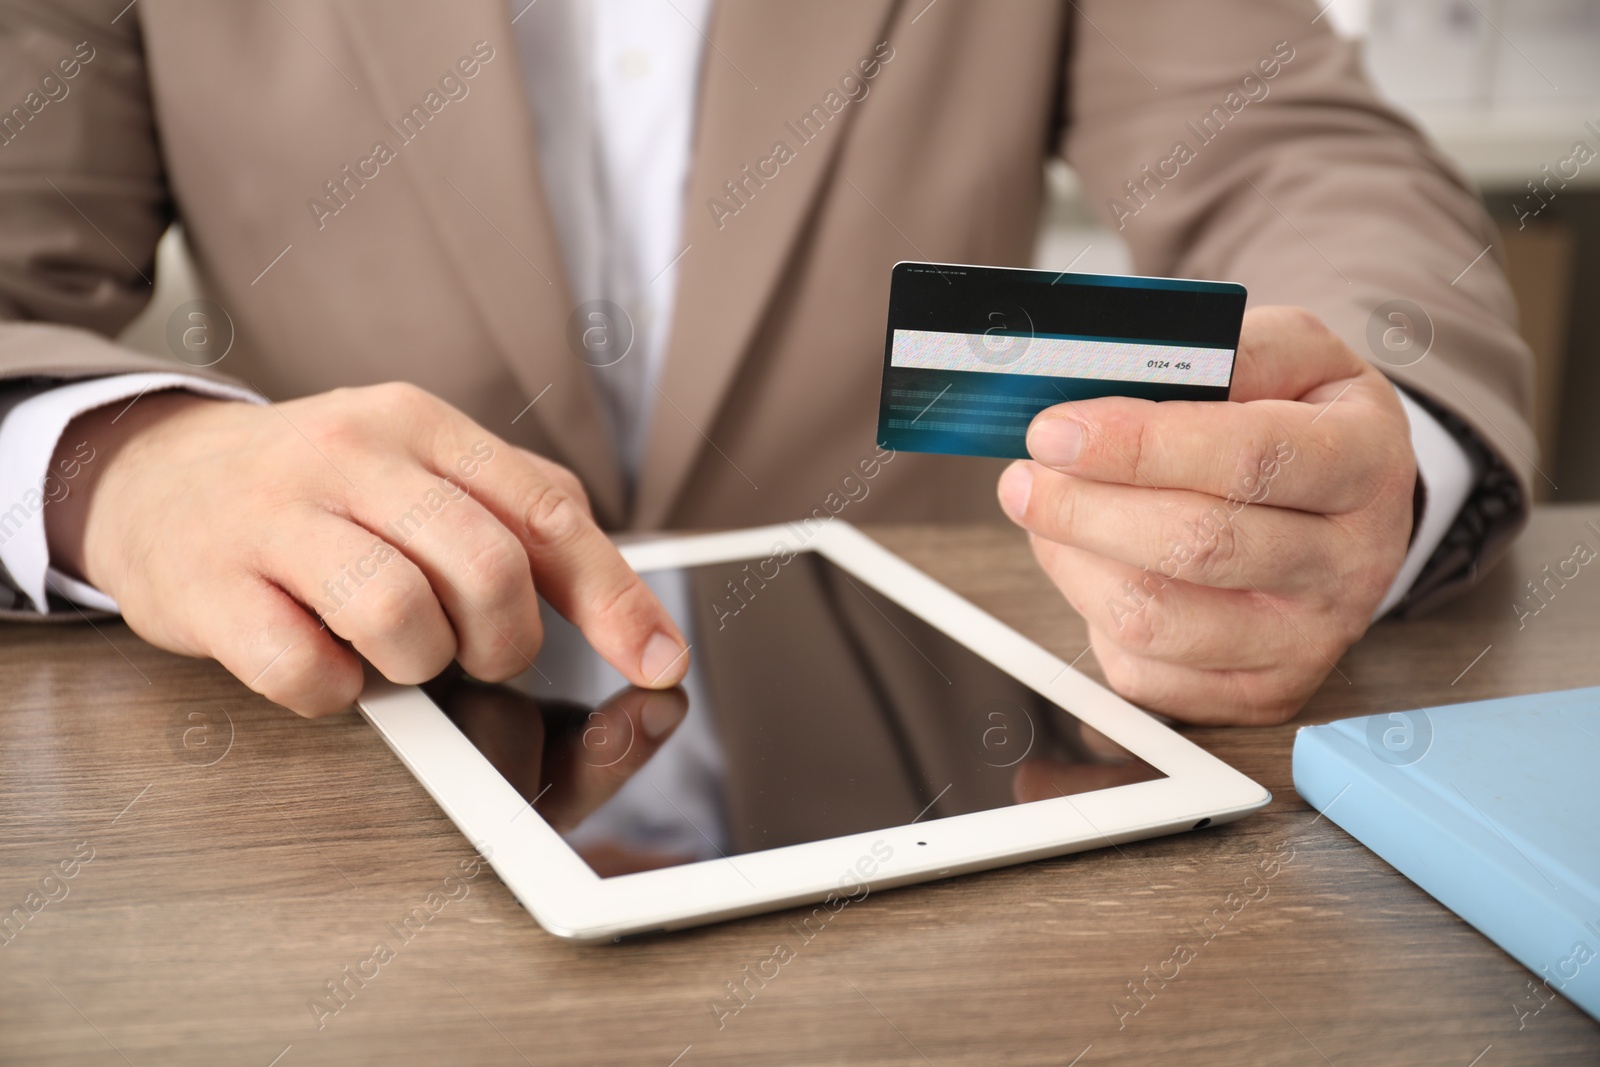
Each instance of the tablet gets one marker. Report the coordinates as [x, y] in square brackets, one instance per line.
[847, 725]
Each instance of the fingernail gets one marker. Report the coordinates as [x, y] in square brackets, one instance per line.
[1055, 442]
[1016, 484]
[664, 662]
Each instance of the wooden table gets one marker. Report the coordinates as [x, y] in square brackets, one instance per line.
[230, 881]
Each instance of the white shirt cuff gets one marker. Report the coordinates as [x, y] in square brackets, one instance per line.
[29, 433]
[1446, 474]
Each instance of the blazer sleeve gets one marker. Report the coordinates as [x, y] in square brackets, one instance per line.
[83, 201]
[1242, 140]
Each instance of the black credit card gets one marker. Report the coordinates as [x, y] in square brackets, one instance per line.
[974, 353]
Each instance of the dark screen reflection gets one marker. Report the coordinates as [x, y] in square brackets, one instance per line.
[815, 707]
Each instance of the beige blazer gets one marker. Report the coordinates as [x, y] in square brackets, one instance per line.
[436, 261]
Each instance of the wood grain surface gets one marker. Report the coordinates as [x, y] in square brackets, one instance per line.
[242, 858]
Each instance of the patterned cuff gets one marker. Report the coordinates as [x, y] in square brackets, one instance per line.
[1495, 511]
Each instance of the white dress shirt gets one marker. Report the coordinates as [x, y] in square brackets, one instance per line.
[613, 88]
[613, 91]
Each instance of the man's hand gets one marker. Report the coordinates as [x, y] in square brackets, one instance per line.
[225, 529]
[1226, 554]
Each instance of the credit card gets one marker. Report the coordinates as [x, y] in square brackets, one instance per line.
[974, 353]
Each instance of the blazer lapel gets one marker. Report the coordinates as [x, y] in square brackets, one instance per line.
[476, 173]
[766, 66]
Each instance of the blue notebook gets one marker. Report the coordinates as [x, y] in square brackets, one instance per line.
[1493, 808]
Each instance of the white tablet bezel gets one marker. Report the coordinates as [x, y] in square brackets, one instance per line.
[570, 900]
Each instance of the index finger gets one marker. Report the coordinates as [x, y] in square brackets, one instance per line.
[575, 566]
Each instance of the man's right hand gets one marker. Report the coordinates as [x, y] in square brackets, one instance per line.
[225, 529]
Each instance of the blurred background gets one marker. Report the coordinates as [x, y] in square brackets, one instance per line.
[1509, 89]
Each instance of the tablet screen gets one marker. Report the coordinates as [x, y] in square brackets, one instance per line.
[814, 707]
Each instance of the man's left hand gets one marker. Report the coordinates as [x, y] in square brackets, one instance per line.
[1225, 554]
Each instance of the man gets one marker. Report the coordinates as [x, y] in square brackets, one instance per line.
[632, 259]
